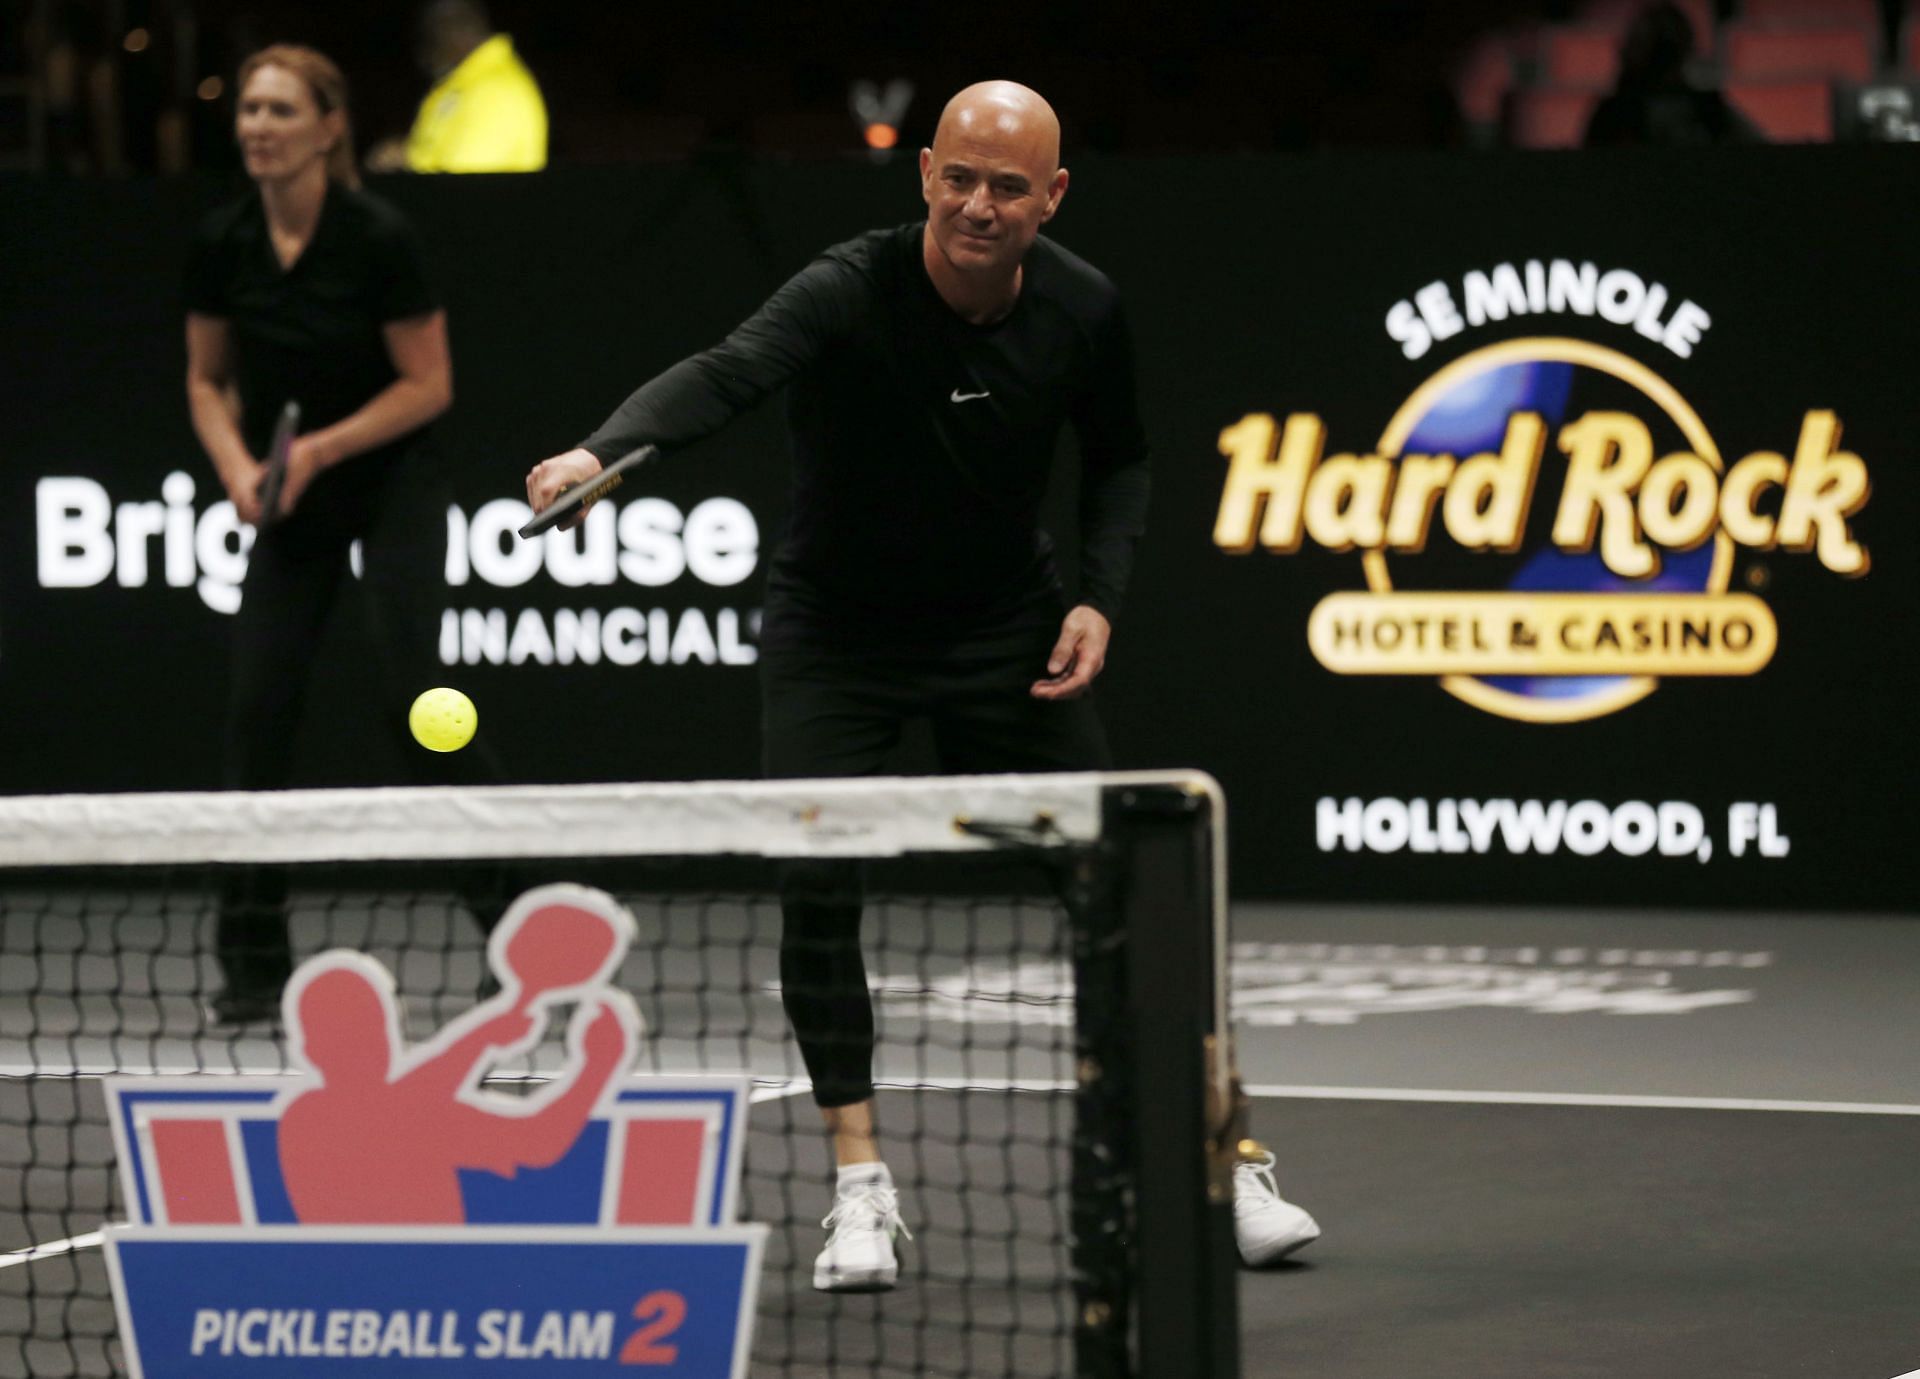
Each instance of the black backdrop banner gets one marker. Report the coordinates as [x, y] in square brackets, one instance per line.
[1526, 528]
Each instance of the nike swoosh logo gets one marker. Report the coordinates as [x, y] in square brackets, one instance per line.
[959, 396]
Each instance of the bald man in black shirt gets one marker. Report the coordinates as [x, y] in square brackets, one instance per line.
[932, 367]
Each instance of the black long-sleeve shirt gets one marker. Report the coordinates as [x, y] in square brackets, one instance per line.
[922, 443]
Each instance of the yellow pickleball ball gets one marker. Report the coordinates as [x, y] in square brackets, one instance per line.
[443, 720]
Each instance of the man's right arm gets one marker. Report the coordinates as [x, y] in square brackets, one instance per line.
[700, 395]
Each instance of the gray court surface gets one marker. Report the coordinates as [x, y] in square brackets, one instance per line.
[1587, 1144]
[1764, 1007]
[1541, 1144]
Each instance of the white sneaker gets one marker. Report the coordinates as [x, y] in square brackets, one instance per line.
[860, 1229]
[1265, 1225]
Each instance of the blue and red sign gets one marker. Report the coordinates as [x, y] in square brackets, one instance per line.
[380, 1213]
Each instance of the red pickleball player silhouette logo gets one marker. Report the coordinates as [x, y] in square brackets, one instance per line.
[382, 1133]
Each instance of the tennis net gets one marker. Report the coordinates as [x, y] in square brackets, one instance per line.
[1042, 954]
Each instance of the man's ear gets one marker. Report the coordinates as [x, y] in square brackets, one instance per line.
[1056, 192]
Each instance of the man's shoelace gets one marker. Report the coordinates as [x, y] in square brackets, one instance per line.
[868, 1208]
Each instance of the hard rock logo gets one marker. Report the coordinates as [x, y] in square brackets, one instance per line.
[1548, 613]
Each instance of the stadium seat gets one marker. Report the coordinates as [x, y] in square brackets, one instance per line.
[1706, 25]
[1575, 55]
[1550, 116]
[1753, 51]
[1786, 112]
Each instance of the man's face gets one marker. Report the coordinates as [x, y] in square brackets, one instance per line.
[990, 183]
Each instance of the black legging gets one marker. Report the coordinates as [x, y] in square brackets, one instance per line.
[837, 713]
[396, 508]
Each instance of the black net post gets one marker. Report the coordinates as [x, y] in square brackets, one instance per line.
[1102, 1161]
[1164, 881]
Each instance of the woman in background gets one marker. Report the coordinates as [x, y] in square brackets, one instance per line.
[307, 289]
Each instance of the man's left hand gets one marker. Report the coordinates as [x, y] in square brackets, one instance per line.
[1079, 655]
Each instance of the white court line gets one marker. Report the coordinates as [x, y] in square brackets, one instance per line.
[782, 1090]
[57, 1070]
[76, 1070]
[972, 1084]
[769, 1089]
[47, 1251]
[777, 1092]
[924, 1084]
[1678, 1103]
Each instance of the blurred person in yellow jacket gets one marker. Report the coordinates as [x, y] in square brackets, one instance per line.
[484, 112]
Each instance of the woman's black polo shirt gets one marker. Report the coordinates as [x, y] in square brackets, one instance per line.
[310, 333]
